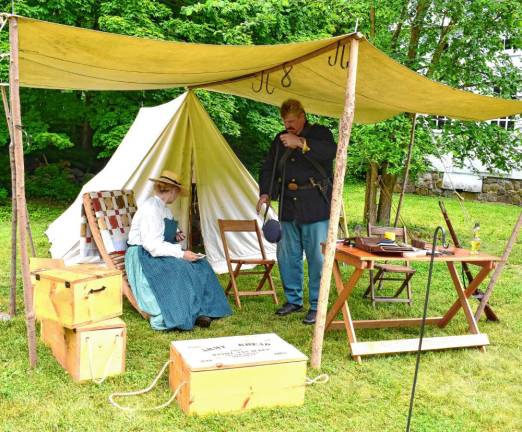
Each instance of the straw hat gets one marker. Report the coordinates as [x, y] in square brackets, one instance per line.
[171, 178]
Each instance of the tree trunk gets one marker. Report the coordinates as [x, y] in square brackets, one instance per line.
[397, 32]
[385, 200]
[372, 23]
[87, 133]
[370, 199]
[443, 37]
[416, 29]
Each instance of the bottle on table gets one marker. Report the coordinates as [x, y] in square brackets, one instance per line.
[475, 241]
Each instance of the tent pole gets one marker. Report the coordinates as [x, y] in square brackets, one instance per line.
[407, 168]
[14, 84]
[499, 268]
[12, 288]
[11, 157]
[29, 232]
[345, 129]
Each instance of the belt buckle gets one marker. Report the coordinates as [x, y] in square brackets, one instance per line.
[293, 186]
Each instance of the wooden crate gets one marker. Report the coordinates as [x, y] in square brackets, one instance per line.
[236, 373]
[78, 295]
[89, 352]
[38, 264]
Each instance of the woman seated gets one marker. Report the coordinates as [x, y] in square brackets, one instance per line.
[176, 288]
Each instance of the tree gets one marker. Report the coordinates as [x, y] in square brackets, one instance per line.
[459, 43]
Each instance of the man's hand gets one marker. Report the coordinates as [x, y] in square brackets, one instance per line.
[263, 199]
[180, 236]
[190, 256]
[290, 140]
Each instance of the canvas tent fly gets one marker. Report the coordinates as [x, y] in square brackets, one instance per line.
[180, 136]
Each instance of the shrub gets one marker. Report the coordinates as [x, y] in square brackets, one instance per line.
[3, 195]
[54, 181]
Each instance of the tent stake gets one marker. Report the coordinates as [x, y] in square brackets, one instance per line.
[14, 84]
[406, 169]
[345, 129]
[499, 268]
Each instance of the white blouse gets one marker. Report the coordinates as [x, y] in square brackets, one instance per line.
[148, 226]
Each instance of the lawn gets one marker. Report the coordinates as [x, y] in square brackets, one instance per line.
[458, 390]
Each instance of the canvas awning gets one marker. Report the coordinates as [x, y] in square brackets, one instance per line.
[62, 57]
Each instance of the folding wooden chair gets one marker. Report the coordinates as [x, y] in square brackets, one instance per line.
[109, 213]
[394, 269]
[246, 226]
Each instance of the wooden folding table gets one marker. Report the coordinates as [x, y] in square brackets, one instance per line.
[362, 261]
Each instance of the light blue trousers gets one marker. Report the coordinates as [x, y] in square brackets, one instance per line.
[295, 239]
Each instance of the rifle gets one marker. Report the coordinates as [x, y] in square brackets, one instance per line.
[478, 294]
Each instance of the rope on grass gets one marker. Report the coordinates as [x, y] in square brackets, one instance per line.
[319, 379]
[146, 390]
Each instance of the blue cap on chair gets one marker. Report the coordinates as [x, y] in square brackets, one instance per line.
[272, 231]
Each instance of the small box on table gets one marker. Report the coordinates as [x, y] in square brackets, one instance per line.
[78, 295]
[236, 373]
[91, 352]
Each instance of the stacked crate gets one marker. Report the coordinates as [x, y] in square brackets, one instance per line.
[78, 307]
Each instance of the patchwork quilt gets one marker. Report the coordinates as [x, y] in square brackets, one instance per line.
[114, 211]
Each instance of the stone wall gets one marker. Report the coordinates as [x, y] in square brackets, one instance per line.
[494, 189]
[501, 190]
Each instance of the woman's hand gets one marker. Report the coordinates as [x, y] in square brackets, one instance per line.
[190, 256]
[180, 236]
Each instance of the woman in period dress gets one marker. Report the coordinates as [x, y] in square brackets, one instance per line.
[177, 288]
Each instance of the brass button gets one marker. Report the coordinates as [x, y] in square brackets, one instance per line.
[295, 199]
[292, 160]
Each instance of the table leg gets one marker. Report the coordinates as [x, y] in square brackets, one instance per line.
[344, 291]
[463, 299]
[458, 286]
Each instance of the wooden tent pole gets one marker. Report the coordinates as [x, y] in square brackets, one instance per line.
[407, 168]
[14, 84]
[13, 176]
[12, 288]
[29, 232]
[499, 268]
[345, 129]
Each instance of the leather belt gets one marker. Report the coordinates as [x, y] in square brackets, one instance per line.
[295, 186]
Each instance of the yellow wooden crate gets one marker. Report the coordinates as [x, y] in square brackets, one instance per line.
[236, 373]
[90, 352]
[78, 295]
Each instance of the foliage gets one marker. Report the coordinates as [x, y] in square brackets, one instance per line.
[3, 195]
[52, 181]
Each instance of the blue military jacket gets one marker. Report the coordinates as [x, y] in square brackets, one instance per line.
[306, 204]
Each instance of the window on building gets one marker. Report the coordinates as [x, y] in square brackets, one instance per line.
[507, 123]
[439, 122]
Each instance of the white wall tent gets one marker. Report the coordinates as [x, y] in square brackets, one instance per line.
[179, 136]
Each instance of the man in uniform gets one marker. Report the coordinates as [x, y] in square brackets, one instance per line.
[303, 155]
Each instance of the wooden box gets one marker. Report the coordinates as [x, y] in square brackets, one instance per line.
[236, 373]
[78, 295]
[90, 352]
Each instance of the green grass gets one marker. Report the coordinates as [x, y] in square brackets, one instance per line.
[458, 390]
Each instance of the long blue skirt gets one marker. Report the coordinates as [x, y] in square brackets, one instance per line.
[183, 290]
